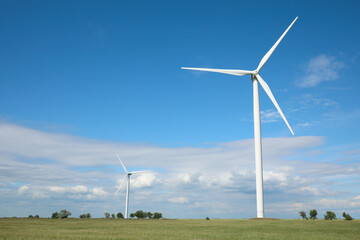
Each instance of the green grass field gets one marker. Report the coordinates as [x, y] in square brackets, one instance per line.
[38, 229]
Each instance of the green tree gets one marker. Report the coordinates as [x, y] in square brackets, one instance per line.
[313, 213]
[329, 215]
[31, 216]
[119, 215]
[113, 215]
[55, 215]
[207, 218]
[36, 216]
[140, 214]
[88, 215]
[157, 215]
[303, 215]
[132, 215]
[149, 215]
[64, 213]
[107, 215]
[347, 216]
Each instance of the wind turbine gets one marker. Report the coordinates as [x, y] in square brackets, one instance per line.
[255, 77]
[126, 178]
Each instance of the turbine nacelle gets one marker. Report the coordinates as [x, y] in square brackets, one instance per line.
[253, 76]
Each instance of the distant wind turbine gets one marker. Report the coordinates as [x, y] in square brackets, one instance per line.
[255, 77]
[126, 178]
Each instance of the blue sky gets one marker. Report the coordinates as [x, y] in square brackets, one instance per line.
[82, 80]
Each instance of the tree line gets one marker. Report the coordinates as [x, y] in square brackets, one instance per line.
[329, 215]
[139, 214]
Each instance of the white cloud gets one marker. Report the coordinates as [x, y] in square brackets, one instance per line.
[33, 192]
[190, 178]
[74, 189]
[179, 200]
[79, 189]
[278, 177]
[60, 190]
[144, 180]
[99, 191]
[74, 192]
[319, 69]
[23, 189]
[312, 190]
[339, 203]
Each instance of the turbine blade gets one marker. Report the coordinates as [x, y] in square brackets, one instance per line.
[271, 96]
[122, 163]
[226, 71]
[268, 54]
[122, 181]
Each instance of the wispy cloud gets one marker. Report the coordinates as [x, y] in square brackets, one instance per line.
[270, 115]
[73, 192]
[303, 125]
[179, 200]
[310, 100]
[319, 69]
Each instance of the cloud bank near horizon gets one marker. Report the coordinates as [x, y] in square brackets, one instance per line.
[57, 170]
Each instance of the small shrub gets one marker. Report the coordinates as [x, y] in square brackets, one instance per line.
[207, 218]
[347, 216]
[55, 215]
[64, 213]
[303, 215]
[119, 215]
[107, 215]
[85, 215]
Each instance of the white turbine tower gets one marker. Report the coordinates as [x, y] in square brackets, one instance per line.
[127, 179]
[255, 77]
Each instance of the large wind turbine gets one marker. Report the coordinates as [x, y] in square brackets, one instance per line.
[255, 77]
[127, 179]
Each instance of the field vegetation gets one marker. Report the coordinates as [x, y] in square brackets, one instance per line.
[87, 228]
